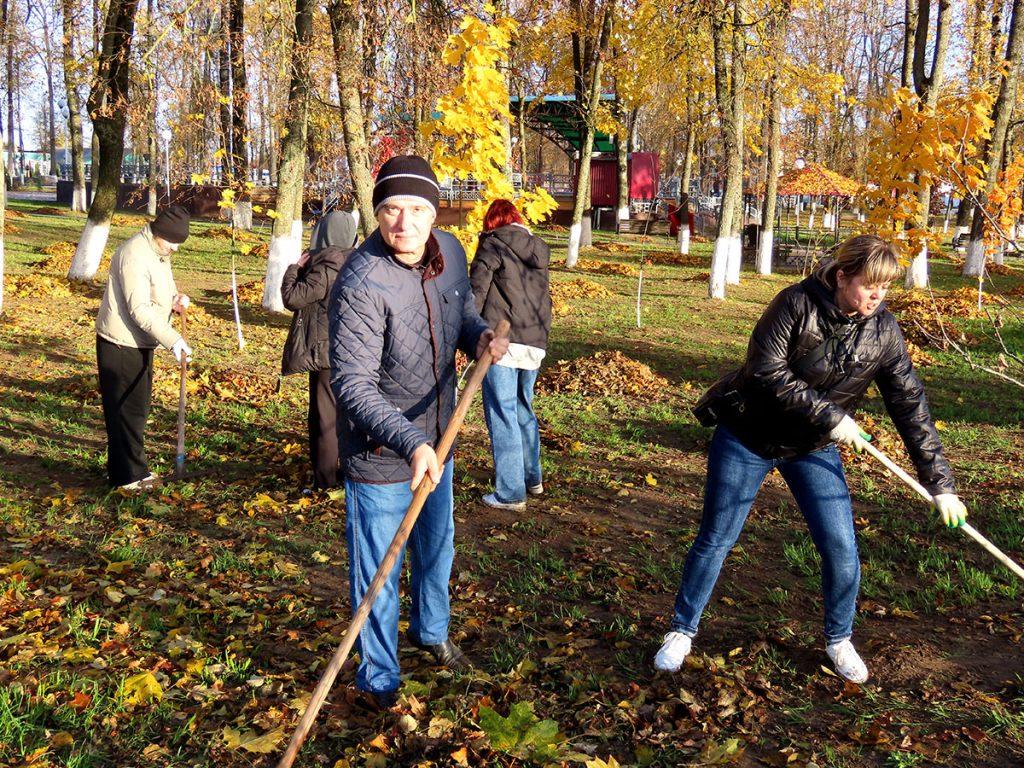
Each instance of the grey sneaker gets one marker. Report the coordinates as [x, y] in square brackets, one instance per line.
[492, 501]
[536, 490]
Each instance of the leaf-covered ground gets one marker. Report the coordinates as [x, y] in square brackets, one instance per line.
[187, 627]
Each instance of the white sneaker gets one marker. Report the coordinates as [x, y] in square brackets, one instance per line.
[847, 661]
[492, 501]
[536, 490]
[144, 484]
[673, 652]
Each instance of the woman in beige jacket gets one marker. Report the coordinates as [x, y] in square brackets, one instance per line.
[133, 320]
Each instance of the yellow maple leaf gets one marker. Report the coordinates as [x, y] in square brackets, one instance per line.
[141, 689]
[251, 741]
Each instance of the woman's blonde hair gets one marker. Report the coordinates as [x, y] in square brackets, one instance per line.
[874, 259]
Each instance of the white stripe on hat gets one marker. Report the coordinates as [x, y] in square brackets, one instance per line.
[406, 176]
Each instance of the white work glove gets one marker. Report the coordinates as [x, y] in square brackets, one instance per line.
[952, 510]
[181, 348]
[847, 432]
[182, 302]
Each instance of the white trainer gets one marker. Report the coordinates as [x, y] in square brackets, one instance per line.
[492, 501]
[847, 661]
[673, 652]
[536, 490]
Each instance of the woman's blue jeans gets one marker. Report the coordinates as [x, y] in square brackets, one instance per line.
[734, 476]
[515, 436]
[373, 513]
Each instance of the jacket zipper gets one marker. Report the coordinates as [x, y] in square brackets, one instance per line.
[433, 349]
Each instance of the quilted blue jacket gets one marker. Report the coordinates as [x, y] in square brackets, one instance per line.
[394, 330]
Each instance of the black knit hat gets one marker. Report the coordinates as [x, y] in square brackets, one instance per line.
[171, 224]
[406, 176]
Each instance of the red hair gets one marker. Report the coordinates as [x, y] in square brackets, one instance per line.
[501, 213]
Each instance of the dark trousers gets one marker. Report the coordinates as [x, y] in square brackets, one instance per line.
[126, 385]
[323, 431]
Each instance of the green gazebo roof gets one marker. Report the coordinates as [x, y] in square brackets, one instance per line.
[558, 119]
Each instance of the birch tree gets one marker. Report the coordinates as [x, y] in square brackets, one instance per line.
[588, 64]
[286, 239]
[108, 108]
[996, 146]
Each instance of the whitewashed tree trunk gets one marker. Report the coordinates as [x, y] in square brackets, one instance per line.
[999, 257]
[78, 202]
[734, 260]
[241, 215]
[974, 259]
[810, 220]
[284, 251]
[89, 252]
[764, 251]
[684, 238]
[572, 253]
[917, 274]
[719, 261]
[623, 213]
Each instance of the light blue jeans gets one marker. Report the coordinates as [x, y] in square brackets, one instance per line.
[515, 436]
[373, 514]
[734, 476]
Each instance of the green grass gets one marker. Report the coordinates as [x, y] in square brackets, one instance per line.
[580, 586]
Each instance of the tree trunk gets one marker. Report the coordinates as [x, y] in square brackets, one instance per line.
[51, 128]
[581, 203]
[78, 202]
[108, 106]
[774, 117]
[285, 248]
[728, 95]
[995, 148]
[622, 161]
[152, 150]
[9, 44]
[684, 187]
[739, 87]
[521, 128]
[3, 203]
[927, 86]
[348, 43]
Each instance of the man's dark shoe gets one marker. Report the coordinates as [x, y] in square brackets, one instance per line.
[380, 701]
[447, 654]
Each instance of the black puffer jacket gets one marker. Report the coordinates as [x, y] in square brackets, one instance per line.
[510, 282]
[791, 395]
[394, 330]
[305, 289]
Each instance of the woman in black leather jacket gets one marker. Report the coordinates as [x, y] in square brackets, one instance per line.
[811, 357]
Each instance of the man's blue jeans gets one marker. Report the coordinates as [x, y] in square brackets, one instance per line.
[515, 436]
[373, 514]
[734, 476]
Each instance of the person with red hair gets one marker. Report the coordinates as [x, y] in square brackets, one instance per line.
[509, 276]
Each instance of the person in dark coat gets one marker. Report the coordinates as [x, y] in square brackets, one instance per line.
[398, 311]
[812, 356]
[510, 282]
[305, 289]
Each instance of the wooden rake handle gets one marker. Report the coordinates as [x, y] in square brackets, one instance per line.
[897, 470]
[179, 456]
[323, 687]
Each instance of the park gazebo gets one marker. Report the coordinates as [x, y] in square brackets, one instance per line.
[823, 186]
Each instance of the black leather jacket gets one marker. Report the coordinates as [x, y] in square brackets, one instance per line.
[794, 388]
